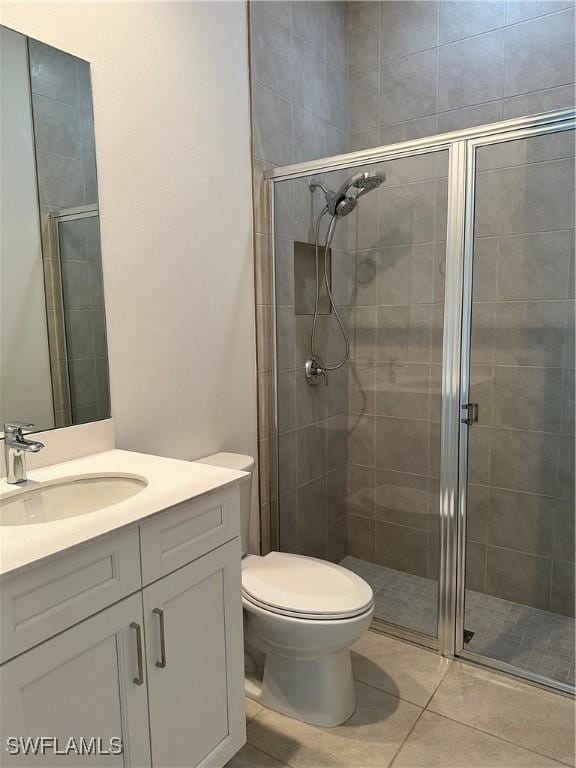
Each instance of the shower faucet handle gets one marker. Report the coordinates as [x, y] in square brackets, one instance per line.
[314, 371]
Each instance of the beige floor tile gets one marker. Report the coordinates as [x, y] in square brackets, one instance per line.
[251, 708]
[436, 742]
[369, 739]
[398, 668]
[250, 757]
[530, 717]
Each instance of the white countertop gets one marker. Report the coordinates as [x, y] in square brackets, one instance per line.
[170, 482]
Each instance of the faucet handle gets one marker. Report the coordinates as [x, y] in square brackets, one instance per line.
[16, 427]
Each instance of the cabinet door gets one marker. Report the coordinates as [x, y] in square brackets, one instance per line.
[196, 684]
[80, 684]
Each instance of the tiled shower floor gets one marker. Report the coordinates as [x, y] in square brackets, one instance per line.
[531, 639]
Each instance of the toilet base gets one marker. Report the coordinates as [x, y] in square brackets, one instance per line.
[319, 690]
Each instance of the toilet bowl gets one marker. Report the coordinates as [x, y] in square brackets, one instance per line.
[301, 615]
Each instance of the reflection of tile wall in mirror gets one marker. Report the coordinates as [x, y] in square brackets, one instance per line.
[61, 114]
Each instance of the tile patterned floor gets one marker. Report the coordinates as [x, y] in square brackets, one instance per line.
[531, 639]
[418, 710]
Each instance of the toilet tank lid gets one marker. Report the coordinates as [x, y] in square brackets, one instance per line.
[237, 461]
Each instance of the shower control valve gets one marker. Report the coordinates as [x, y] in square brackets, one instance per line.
[314, 371]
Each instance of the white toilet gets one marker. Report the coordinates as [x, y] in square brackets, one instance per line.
[302, 614]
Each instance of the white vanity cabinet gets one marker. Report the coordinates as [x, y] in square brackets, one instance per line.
[161, 669]
[80, 683]
[193, 656]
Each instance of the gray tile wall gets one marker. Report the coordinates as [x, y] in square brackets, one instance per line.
[298, 81]
[422, 67]
[402, 60]
[66, 166]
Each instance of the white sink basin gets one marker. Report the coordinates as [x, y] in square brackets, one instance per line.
[68, 497]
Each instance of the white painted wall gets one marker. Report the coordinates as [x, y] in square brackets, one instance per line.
[25, 382]
[171, 105]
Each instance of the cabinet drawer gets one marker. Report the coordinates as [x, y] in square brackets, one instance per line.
[187, 531]
[41, 602]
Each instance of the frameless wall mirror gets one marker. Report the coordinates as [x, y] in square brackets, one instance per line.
[53, 350]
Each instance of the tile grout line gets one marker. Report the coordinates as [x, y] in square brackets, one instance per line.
[405, 739]
[499, 738]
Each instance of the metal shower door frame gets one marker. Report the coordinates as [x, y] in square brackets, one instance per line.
[461, 148]
[557, 122]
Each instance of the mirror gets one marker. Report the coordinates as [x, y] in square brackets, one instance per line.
[53, 349]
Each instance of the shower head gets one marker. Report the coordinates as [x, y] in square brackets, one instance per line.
[343, 202]
[367, 181]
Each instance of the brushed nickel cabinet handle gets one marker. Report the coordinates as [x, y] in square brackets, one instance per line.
[160, 613]
[139, 680]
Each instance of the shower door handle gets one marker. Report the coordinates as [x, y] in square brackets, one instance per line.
[471, 413]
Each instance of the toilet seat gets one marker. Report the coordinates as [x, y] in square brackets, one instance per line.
[305, 587]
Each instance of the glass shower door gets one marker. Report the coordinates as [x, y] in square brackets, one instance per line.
[359, 454]
[519, 596]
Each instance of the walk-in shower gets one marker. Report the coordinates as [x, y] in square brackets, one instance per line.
[438, 463]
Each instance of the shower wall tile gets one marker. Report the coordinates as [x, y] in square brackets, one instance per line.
[518, 577]
[477, 514]
[497, 59]
[524, 461]
[471, 71]
[364, 100]
[411, 129]
[57, 127]
[560, 97]
[535, 266]
[363, 35]
[337, 540]
[271, 47]
[360, 491]
[526, 398]
[408, 87]
[468, 117]
[407, 214]
[466, 19]
[522, 522]
[272, 126]
[53, 73]
[309, 136]
[402, 445]
[361, 440]
[361, 387]
[60, 180]
[522, 10]
[408, 27]
[540, 53]
[403, 390]
[562, 593]
[361, 537]
[311, 447]
[546, 190]
[312, 509]
[475, 566]
[402, 548]
[402, 498]
[364, 139]
[310, 22]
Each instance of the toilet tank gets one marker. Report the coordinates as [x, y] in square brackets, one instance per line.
[244, 464]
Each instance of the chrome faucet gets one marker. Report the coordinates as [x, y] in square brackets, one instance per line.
[15, 448]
